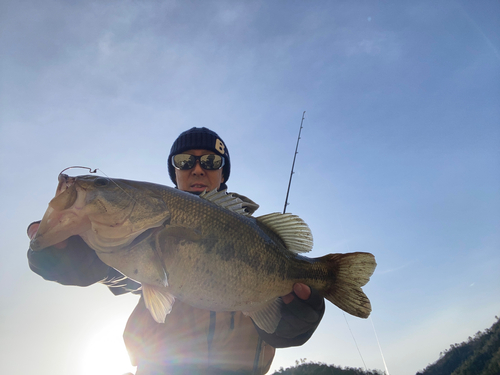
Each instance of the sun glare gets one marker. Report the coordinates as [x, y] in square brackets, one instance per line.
[105, 352]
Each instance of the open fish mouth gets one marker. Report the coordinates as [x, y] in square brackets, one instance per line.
[65, 215]
[87, 206]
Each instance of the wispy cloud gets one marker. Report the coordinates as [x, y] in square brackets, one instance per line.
[395, 269]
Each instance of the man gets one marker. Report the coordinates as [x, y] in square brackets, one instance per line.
[191, 341]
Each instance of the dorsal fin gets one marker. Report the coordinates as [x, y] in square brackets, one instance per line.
[222, 199]
[294, 232]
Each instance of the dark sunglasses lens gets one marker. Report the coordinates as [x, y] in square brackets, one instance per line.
[211, 162]
[183, 161]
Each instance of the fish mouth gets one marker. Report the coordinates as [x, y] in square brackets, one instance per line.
[65, 215]
[65, 182]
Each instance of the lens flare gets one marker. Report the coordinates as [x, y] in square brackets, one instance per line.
[105, 352]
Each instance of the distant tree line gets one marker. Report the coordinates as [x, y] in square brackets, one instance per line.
[311, 368]
[479, 355]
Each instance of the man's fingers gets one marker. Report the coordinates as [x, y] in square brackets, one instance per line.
[302, 291]
[288, 298]
[32, 229]
[299, 290]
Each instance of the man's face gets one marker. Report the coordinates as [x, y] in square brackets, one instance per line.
[197, 179]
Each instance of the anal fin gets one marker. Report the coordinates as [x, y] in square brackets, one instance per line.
[158, 301]
[268, 317]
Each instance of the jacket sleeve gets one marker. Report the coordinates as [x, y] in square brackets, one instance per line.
[299, 320]
[77, 264]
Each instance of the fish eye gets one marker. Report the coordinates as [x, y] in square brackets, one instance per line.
[101, 181]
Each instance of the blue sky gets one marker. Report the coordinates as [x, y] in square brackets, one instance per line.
[399, 154]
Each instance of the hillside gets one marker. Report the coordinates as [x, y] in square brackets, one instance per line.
[479, 355]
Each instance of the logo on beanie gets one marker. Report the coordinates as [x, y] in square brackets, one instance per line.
[219, 146]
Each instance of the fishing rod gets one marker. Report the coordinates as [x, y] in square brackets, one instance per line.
[293, 164]
[284, 210]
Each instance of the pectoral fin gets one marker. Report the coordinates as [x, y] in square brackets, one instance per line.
[267, 317]
[158, 301]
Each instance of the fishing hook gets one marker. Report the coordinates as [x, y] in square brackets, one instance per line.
[90, 169]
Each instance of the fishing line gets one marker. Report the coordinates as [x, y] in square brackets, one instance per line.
[119, 187]
[352, 334]
[109, 178]
[355, 342]
[380, 348]
[374, 330]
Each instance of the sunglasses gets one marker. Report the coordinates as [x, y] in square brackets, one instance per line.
[209, 162]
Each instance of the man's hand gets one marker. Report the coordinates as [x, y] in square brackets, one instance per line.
[33, 228]
[301, 312]
[300, 290]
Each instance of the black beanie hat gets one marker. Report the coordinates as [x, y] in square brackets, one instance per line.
[199, 139]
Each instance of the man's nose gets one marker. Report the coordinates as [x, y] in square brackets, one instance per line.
[197, 169]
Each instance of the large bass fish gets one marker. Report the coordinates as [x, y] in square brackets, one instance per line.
[203, 250]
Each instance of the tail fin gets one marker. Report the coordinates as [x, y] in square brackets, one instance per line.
[351, 271]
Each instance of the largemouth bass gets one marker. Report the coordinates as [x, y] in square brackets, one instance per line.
[202, 250]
